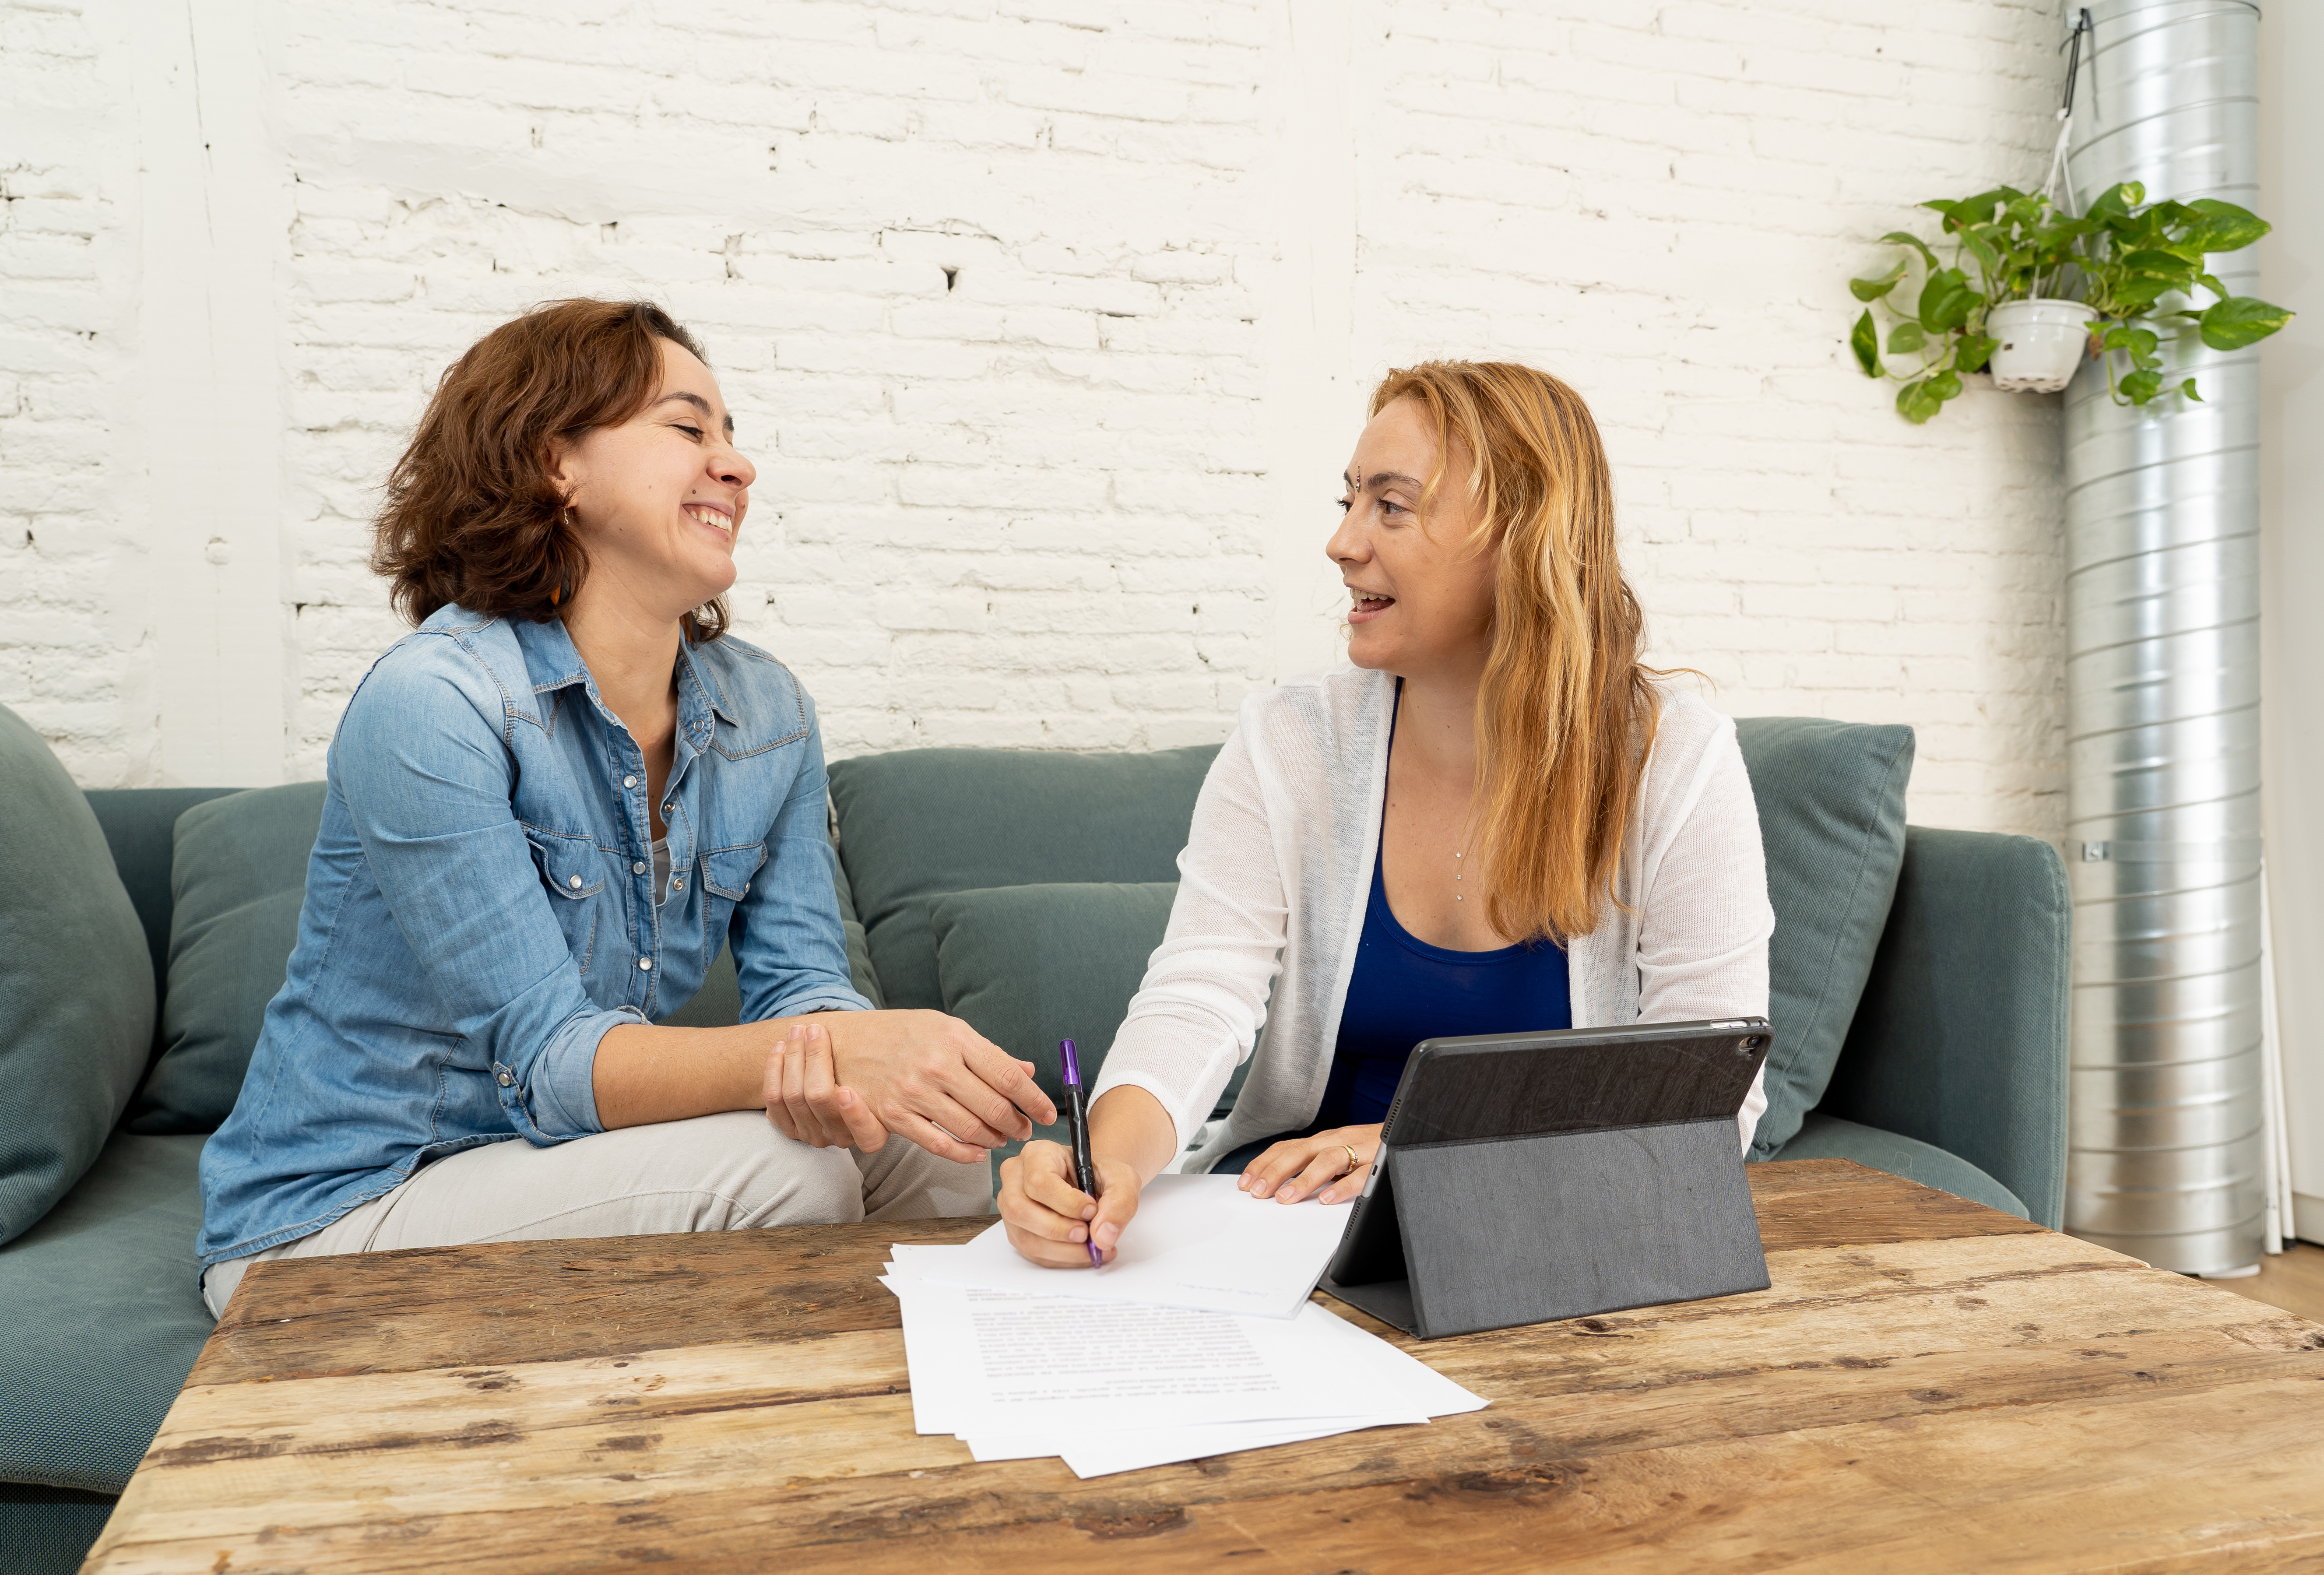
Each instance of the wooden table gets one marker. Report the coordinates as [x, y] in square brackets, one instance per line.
[1927, 1385]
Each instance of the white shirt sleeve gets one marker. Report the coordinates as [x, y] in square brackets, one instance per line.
[1704, 914]
[1200, 1008]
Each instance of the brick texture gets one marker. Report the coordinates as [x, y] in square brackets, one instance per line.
[986, 281]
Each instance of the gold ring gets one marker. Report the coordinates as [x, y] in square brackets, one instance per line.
[1354, 1164]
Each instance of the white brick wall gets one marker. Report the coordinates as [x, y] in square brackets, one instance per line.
[1075, 498]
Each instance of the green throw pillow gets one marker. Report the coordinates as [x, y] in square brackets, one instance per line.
[238, 877]
[76, 984]
[1028, 965]
[1831, 818]
[918, 824]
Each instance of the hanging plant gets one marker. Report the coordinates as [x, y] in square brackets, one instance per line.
[2023, 268]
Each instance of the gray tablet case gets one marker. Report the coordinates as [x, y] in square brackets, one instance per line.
[1525, 1177]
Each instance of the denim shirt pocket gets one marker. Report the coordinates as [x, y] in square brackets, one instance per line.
[725, 881]
[573, 872]
[728, 871]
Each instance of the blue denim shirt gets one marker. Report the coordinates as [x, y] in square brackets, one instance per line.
[480, 910]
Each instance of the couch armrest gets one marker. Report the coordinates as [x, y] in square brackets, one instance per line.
[1960, 1038]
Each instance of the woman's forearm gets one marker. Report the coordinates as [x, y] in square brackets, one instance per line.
[646, 1074]
[1130, 1124]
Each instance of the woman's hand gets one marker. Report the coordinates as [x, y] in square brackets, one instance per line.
[1337, 1161]
[806, 1102]
[1049, 1218]
[929, 1078]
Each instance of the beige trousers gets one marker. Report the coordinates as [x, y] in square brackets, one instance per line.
[732, 1172]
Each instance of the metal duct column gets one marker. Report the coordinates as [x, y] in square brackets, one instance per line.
[2163, 689]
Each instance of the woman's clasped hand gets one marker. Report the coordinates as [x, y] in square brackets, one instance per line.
[921, 1075]
[1329, 1166]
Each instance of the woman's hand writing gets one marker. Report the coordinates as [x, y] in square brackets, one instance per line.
[1049, 1218]
[1336, 1161]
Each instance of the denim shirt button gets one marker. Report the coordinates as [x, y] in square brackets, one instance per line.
[629, 781]
[573, 881]
[637, 866]
[506, 1080]
[645, 962]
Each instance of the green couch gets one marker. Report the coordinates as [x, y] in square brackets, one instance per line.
[1919, 986]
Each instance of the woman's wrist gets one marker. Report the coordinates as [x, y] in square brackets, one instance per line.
[1129, 1125]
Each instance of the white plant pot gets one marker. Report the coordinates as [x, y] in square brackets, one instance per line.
[2038, 344]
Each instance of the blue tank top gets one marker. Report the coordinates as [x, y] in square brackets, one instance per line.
[1405, 991]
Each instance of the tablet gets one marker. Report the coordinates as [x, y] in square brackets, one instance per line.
[1495, 1088]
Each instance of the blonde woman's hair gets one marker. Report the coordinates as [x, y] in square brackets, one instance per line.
[1566, 712]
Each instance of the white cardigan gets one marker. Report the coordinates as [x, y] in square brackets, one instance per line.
[1277, 869]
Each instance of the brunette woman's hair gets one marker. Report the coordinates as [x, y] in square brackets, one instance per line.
[474, 514]
[1566, 712]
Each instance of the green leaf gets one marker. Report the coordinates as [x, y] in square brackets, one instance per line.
[2144, 344]
[1977, 246]
[1947, 299]
[2222, 227]
[1915, 404]
[2188, 388]
[2212, 284]
[1865, 340]
[1906, 338]
[1974, 351]
[2240, 320]
[2164, 266]
[1879, 284]
[2117, 338]
[2140, 386]
[1981, 209]
[1901, 238]
[1945, 385]
[2117, 200]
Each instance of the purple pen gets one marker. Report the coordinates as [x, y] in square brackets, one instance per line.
[1078, 1121]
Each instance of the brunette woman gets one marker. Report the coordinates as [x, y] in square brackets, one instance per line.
[548, 809]
[1497, 821]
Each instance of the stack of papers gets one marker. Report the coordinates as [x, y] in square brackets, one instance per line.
[1197, 1339]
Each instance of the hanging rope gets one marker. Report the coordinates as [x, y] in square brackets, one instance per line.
[2052, 187]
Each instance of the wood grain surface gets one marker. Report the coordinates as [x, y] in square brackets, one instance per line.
[1927, 1385]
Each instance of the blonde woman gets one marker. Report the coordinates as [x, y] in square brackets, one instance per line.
[1497, 821]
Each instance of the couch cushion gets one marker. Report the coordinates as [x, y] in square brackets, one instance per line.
[920, 823]
[1028, 965]
[1979, 1072]
[1822, 1137]
[48, 1531]
[1832, 818]
[236, 884]
[104, 1317]
[141, 828]
[76, 982]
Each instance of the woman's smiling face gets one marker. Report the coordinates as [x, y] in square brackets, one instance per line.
[1422, 601]
[659, 499]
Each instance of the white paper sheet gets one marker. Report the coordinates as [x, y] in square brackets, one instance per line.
[1198, 1242]
[986, 1362]
[1113, 1387]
